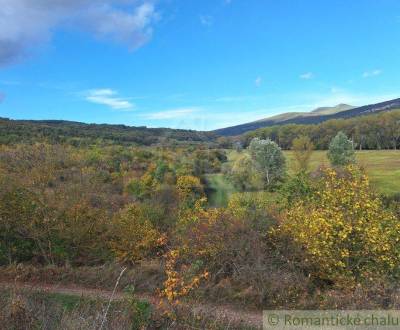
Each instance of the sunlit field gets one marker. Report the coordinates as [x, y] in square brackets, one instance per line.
[382, 167]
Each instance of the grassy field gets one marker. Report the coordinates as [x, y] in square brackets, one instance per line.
[382, 166]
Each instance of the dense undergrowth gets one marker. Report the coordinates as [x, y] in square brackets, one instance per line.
[321, 239]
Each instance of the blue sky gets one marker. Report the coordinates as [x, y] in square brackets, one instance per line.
[194, 64]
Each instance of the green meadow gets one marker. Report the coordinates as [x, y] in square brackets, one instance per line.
[381, 166]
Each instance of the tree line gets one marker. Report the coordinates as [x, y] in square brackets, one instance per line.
[372, 132]
[81, 134]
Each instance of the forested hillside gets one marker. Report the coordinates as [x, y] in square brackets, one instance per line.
[379, 131]
[311, 117]
[57, 131]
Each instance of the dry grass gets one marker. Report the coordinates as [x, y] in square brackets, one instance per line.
[35, 309]
[146, 277]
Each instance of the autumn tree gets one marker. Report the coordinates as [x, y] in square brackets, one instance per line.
[302, 150]
[352, 238]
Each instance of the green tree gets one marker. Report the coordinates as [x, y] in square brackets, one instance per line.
[341, 150]
[244, 175]
[269, 160]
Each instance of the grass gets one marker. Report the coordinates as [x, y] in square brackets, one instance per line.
[382, 166]
[67, 301]
[146, 277]
[35, 309]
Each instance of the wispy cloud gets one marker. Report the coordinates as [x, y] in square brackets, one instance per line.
[258, 81]
[171, 114]
[307, 76]
[206, 20]
[2, 97]
[109, 98]
[372, 73]
[25, 24]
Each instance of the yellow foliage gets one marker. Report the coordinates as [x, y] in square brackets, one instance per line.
[177, 285]
[186, 264]
[344, 229]
[188, 186]
[135, 238]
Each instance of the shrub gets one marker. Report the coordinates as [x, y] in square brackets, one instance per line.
[297, 187]
[252, 207]
[346, 233]
[226, 254]
[135, 238]
[189, 190]
[18, 212]
[135, 188]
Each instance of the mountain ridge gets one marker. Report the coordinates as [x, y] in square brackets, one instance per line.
[316, 116]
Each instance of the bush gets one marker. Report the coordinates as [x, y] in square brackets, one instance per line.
[346, 233]
[134, 236]
[226, 254]
[189, 190]
[253, 207]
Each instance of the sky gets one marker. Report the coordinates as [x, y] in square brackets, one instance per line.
[194, 64]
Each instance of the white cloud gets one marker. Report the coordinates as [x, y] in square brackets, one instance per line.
[372, 73]
[206, 20]
[258, 81]
[307, 75]
[171, 114]
[26, 23]
[2, 97]
[109, 98]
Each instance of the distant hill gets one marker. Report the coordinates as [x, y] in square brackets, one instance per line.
[314, 117]
[56, 131]
[319, 111]
[331, 110]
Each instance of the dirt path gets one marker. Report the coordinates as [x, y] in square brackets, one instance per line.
[228, 314]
